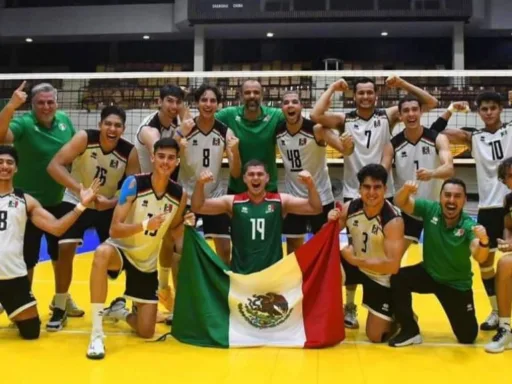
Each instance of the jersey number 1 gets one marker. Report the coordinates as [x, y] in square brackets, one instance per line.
[258, 229]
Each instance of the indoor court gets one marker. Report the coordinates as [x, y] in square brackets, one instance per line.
[355, 361]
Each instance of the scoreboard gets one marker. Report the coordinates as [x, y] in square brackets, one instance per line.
[258, 11]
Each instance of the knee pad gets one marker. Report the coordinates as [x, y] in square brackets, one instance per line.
[29, 329]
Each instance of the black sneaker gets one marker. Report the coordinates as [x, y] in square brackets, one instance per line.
[405, 338]
[58, 320]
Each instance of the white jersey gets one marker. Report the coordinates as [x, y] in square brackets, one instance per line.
[367, 234]
[204, 152]
[154, 122]
[108, 167]
[300, 152]
[13, 218]
[370, 138]
[489, 149]
[142, 248]
[409, 157]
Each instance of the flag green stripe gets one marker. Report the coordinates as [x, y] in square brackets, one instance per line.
[201, 311]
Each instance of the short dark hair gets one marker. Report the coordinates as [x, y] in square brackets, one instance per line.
[254, 163]
[172, 90]
[488, 96]
[9, 150]
[363, 80]
[166, 142]
[374, 171]
[503, 169]
[456, 181]
[408, 99]
[207, 87]
[291, 92]
[113, 110]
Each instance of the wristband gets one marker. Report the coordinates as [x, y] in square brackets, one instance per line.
[483, 245]
[80, 207]
[179, 134]
[145, 225]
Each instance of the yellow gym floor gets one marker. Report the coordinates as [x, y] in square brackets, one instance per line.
[60, 357]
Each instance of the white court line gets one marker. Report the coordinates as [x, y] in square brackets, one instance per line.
[349, 342]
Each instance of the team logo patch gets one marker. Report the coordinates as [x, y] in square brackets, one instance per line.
[62, 126]
[459, 232]
[303, 141]
[144, 203]
[244, 210]
[114, 163]
[167, 208]
[404, 154]
[13, 204]
[425, 150]
[434, 220]
[270, 208]
[94, 155]
[216, 141]
[265, 311]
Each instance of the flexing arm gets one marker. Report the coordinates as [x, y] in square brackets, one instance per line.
[327, 135]
[149, 136]
[387, 157]
[18, 98]
[319, 113]
[300, 206]
[133, 165]
[215, 206]
[394, 247]
[403, 198]
[445, 170]
[480, 244]
[57, 168]
[458, 136]
[44, 220]
[233, 154]
[427, 101]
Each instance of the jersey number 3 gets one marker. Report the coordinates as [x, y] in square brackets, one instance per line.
[258, 229]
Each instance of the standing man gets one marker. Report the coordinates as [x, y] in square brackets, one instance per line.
[256, 215]
[302, 145]
[451, 238]
[375, 249]
[91, 154]
[371, 129]
[149, 205]
[419, 154]
[488, 147]
[163, 123]
[503, 338]
[37, 136]
[16, 209]
[206, 145]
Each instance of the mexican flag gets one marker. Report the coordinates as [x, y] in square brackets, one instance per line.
[296, 302]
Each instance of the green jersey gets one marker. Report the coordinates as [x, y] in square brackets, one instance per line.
[36, 146]
[256, 233]
[257, 140]
[446, 253]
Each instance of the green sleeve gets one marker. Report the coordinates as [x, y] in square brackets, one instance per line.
[223, 115]
[422, 207]
[17, 127]
[469, 225]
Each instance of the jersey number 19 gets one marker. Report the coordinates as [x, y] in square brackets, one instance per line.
[258, 229]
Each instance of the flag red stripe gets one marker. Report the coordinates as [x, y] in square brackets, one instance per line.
[322, 307]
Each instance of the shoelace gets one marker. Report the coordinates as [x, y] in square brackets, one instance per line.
[502, 332]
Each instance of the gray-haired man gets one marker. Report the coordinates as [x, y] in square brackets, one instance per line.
[38, 135]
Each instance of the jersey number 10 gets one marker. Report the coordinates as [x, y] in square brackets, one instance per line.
[496, 149]
[258, 229]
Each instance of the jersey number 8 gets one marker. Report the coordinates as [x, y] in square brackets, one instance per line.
[3, 220]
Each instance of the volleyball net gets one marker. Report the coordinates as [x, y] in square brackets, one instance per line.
[82, 96]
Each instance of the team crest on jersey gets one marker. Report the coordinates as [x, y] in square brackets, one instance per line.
[376, 123]
[355, 223]
[403, 154]
[375, 229]
[62, 126]
[216, 141]
[167, 208]
[144, 203]
[459, 232]
[434, 220]
[194, 142]
[270, 208]
[283, 142]
[265, 311]
[425, 150]
[94, 155]
[114, 163]
[12, 204]
[244, 210]
[303, 141]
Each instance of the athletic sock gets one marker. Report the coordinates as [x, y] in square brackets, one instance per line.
[163, 277]
[97, 318]
[60, 300]
[350, 296]
[505, 323]
[494, 303]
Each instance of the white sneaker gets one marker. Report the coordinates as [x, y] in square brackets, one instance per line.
[351, 316]
[501, 341]
[117, 310]
[491, 323]
[96, 350]
[72, 309]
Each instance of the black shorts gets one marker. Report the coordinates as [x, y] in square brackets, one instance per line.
[413, 228]
[16, 295]
[493, 221]
[90, 218]
[141, 287]
[299, 225]
[32, 239]
[216, 226]
[376, 297]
